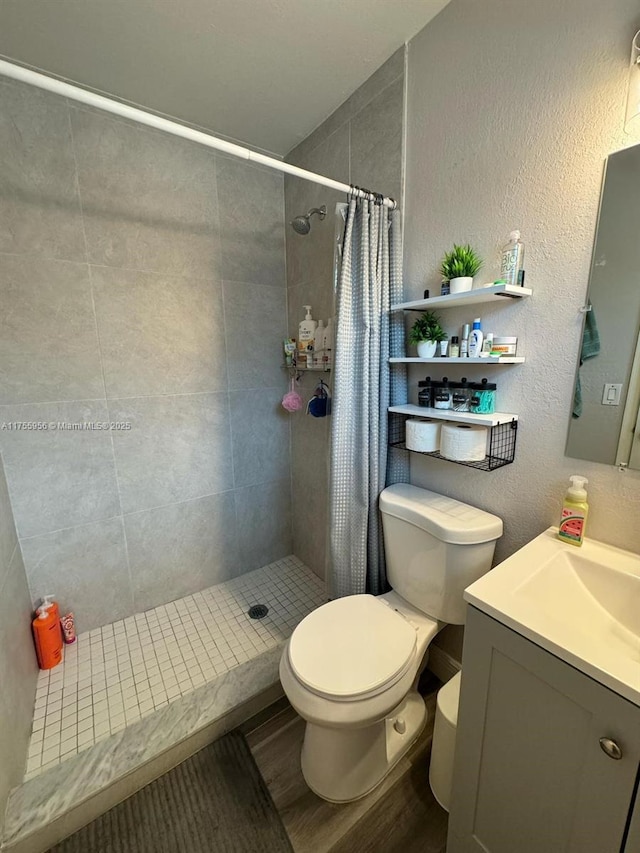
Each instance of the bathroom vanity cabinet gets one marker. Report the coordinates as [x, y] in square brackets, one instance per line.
[547, 759]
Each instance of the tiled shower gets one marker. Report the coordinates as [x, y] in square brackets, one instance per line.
[116, 675]
[134, 265]
[158, 487]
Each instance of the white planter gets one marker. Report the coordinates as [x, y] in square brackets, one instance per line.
[427, 349]
[461, 285]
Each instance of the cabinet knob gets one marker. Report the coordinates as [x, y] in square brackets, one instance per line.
[610, 748]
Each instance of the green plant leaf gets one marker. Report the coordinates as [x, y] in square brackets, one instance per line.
[427, 328]
[460, 261]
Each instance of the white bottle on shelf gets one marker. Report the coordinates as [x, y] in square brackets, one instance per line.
[475, 339]
[486, 345]
[327, 345]
[318, 346]
[306, 337]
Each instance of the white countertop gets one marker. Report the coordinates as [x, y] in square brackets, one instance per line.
[580, 604]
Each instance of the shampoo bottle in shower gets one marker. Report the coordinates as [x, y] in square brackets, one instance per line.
[318, 345]
[306, 337]
[48, 604]
[47, 637]
[327, 345]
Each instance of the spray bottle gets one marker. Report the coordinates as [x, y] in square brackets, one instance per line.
[574, 512]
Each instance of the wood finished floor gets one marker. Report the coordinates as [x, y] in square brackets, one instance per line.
[400, 815]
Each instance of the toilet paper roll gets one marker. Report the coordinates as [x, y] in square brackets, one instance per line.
[422, 435]
[463, 442]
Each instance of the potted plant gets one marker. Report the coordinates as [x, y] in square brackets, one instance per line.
[459, 266]
[425, 333]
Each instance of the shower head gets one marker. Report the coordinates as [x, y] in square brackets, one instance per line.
[302, 224]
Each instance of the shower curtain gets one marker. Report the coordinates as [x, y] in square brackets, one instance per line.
[368, 282]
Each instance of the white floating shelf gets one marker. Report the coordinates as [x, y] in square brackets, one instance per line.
[470, 297]
[449, 415]
[502, 359]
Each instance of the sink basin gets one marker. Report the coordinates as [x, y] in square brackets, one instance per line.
[583, 605]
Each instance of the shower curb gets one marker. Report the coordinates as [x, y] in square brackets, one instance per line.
[46, 809]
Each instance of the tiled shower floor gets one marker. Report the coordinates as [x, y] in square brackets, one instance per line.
[114, 676]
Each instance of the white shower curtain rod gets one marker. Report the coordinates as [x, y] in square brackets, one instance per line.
[75, 93]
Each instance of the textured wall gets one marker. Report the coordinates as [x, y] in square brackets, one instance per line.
[512, 109]
[361, 143]
[18, 667]
[142, 281]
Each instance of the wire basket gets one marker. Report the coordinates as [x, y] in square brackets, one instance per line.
[502, 443]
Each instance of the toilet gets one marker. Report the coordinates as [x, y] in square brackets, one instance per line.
[351, 667]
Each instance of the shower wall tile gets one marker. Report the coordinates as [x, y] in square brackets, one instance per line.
[381, 78]
[114, 239]
[376, 142]
[86, 567]
[331, 158]
[182, 548]
[40, 209]
[310, 526]
[159, 334]
[18, 677]
[264, 519]
[178, 447]
[311, 255]
[372, 86]
[48, 342]
[59, 477]
[251, 223]
[260, 431]
[310, 454]
[310, 443]
[8, 535]
[255, 325]
[148, 199]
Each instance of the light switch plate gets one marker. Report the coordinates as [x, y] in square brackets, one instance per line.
[611, 394]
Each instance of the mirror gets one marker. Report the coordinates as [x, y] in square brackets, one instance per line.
[605, 422]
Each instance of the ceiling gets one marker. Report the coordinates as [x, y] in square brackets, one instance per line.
[265, 72]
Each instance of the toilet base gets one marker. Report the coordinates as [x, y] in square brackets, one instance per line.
[341, 765]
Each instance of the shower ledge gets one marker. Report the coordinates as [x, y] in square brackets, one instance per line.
[55, 803]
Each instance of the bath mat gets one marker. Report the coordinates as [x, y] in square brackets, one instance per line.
[214, 802]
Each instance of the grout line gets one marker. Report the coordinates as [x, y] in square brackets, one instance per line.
[142, 396]
[151, 508]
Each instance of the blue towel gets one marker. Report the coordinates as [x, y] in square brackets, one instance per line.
[590, 349]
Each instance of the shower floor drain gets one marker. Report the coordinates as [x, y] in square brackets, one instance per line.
[258, 611]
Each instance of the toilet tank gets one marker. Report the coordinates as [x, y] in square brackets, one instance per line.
[435, 547]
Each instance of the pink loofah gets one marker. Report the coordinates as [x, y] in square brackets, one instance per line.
[292, 401]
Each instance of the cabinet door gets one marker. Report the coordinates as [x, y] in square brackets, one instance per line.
[530, 774]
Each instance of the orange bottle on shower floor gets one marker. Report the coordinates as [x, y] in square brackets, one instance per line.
[48, 638]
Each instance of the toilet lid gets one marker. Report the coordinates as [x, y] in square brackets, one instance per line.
[351, 646]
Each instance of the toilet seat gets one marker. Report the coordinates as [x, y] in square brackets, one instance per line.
[352, 647]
